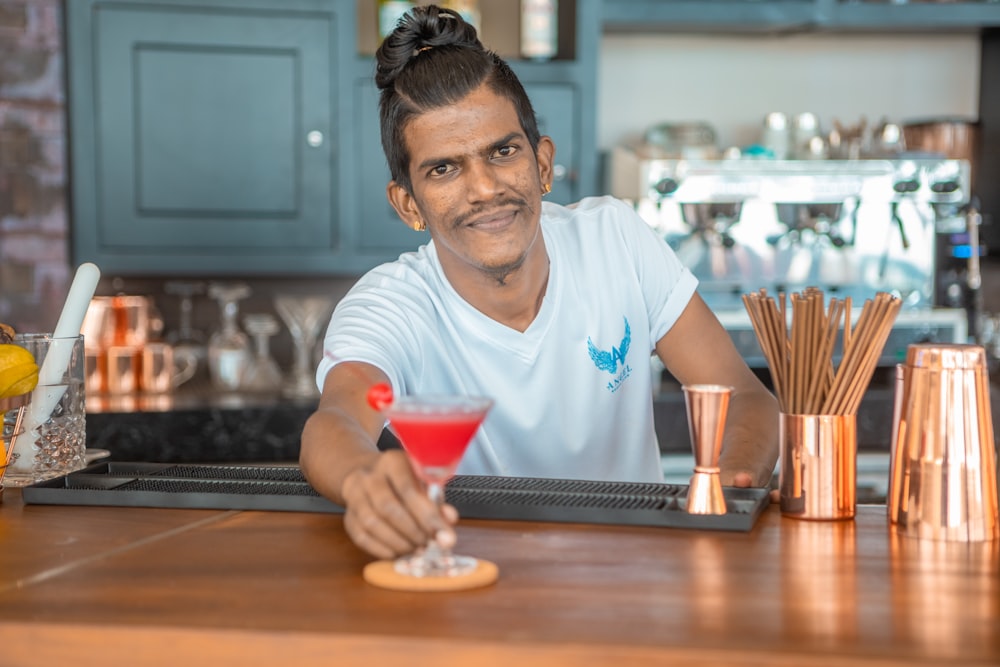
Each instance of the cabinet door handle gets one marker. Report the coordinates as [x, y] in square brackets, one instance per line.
[314, 138]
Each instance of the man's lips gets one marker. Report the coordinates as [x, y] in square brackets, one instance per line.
[492, 221]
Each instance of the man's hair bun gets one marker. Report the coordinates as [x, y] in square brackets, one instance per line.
[421, 29]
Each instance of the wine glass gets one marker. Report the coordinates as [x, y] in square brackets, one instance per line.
[262, 374]
[435, 431]
[304, 316]
[228, 348]
[186, 339]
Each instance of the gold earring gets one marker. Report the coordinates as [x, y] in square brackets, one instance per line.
[546, 189]
[419, 225]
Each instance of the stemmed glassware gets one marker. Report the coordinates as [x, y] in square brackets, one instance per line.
[262, 374]
[435, 431]
[185, 292]
[304, 316]
[187, 339]
[228, 348]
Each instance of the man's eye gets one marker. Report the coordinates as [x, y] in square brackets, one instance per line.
[440, 170]
[506, 151]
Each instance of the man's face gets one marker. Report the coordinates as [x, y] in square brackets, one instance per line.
[476, 184]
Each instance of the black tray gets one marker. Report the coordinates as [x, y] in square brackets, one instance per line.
[283, 488]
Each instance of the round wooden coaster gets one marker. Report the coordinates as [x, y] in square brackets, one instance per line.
[382, 573]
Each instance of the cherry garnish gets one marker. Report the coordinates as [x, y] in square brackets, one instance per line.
[380, 396]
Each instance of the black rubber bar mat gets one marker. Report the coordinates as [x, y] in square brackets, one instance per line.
[283, 488]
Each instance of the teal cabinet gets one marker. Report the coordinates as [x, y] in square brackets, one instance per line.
[557, 110]
[203, 134]
[379, 229]
[241, 138]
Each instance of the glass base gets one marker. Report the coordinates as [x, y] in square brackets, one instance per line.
[420, 565]
[20, 479]
[300, 387]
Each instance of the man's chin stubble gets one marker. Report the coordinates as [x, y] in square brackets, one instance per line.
[500, 273]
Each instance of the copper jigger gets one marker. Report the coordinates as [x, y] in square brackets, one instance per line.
[943, 476]
[707, 405]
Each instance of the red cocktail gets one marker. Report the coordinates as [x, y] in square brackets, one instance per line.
[435, 431]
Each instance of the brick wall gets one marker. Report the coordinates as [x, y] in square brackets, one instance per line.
[34, 230]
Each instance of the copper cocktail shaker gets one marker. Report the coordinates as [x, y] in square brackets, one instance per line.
[943, 476]
[707, 405]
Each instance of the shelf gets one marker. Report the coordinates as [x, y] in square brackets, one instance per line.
[916, 17]
[648, 16]
[749, 16]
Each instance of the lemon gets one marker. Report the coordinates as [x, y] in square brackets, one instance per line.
[18, 371]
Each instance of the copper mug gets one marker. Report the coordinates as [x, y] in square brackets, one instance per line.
[942, 474]
[154, 368]
[119, 320]
[162, 367]
[111, 326]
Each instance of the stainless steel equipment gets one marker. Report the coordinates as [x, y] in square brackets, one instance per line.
[849, 227]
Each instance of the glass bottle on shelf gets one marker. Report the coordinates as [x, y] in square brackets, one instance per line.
[539, 29]
[228, 348]
[389, 13]
[468, 10]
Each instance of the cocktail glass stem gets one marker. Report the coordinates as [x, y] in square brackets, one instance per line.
[435, 560]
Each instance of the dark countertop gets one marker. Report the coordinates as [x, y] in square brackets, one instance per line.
[201, 426]
[259, 429]
[191, 428]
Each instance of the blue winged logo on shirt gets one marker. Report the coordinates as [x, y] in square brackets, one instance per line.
[609, 360]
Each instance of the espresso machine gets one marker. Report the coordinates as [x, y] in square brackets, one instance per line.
[849, 227]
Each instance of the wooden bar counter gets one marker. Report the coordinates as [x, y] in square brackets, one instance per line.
[149, 587]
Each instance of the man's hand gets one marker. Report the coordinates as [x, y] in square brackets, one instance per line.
[388, 512]
[744, 480]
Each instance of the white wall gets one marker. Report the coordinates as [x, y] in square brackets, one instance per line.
[733, 81]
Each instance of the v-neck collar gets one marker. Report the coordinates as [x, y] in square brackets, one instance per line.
[526, 344]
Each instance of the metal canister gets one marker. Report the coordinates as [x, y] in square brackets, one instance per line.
[943, 476]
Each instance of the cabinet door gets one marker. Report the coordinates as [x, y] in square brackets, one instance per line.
[380, 232]
[201, 138]
[557, 112]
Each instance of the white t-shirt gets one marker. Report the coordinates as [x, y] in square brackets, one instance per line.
[573, 392]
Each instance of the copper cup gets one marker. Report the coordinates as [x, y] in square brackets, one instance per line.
[122, 375]
[818, 469]
[162, 368]
[943, 476]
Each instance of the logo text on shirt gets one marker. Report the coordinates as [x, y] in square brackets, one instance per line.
[609, 360]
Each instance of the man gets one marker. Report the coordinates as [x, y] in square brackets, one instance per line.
[552, 311]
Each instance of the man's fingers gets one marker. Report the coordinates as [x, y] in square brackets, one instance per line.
[450, 514]
[388, 510]
[375, 536]
[740, 479]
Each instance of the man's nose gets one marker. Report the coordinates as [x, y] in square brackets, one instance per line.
[482, 180]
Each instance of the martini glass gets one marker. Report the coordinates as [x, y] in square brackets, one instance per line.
[435, 431]
[305, 316]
